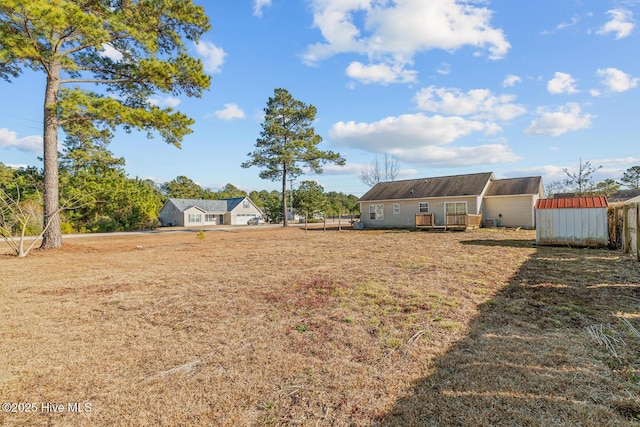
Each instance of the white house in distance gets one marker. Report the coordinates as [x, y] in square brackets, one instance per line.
[499, 202]
[198, 212]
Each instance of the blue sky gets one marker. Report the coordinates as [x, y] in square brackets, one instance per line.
[447, 87]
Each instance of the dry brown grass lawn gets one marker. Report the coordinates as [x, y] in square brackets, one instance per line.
[281, 327]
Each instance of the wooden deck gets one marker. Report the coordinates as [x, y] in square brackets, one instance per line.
[462, 222]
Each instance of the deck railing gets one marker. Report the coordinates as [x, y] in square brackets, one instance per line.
[457, 221]
[424, 220]
[454, 220]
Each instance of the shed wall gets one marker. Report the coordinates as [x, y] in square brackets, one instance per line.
[574, 227]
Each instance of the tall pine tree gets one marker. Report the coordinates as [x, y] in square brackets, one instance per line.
[68, 41]
[287, 142]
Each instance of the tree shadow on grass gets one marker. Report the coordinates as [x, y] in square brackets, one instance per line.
[529, 358]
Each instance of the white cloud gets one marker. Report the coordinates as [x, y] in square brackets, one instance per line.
[421, 139]
[595, 92]
[333, 169]
[9, 139]
[393, 32]
[562, 83]
[616, 80]
[555, 123]
[439, 156]
[627, 162]
[355, 169]
[212, 56]
[621, 23]
[258, 5]
[230, 112]
[549, 173]
[510, 80]
[380, 73]
[563, 25]
[476, 103]
[168, 101]
[409, 130]
[111, 53]
[403, 173]
[443, 69]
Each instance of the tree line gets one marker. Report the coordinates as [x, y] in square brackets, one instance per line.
[581, 182]
[98, 195]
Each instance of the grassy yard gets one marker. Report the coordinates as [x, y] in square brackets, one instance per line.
[353, 328]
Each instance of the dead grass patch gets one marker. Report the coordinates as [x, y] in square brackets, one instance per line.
[282, 327]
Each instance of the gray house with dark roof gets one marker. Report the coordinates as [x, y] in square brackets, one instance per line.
[199, 213]
[400, 204]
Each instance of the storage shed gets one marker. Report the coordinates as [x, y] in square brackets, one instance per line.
[576, 221]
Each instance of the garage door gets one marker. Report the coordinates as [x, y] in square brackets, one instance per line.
[241, 219]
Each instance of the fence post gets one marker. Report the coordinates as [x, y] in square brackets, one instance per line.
[626, 236]
[637, 248]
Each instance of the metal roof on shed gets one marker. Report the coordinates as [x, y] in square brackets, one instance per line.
[573, 203]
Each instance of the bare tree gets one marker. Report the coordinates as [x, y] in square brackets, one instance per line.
[380, 170]
[555, 187]
[581, 182]
[20, 218]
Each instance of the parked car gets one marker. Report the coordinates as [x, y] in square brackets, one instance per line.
[255, 221]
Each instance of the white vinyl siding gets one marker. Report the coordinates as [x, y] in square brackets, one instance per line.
[408, 210]
[511, 211]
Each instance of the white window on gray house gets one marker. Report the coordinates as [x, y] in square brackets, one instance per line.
[423, 207]
[195, 218]
[396, 208]
[376, 212]
[210, 218]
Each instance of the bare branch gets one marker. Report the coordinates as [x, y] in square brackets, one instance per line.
[15, 213]
[97, 81]
[380, 170]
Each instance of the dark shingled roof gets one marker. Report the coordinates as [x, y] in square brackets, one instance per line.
[514, 186]
[444, 186]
